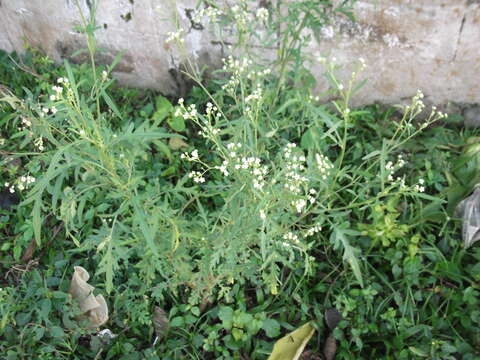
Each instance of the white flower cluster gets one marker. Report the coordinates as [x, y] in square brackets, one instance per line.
[38, 143]
[311, 195]
[211, 13]
[26, 123]
[104, 75]
[440, 114]
[240, 69]
[2, 141]
[256, 95]
[255, 168]
[193, 156]
[236, 68]
[46, 110]
[189, 112]
[290, 236]
[11, 188]
[294, 180]
[324, 60]
[420, 187]
[263, 215]
[208, 131]
[312, 231]
[175, 36]
[212, 110]
[258, 74]
[232, 148]
[253, 99]
[324, 165]
[64, 81]
[363, 65]
[212, 114]
[299, 205]
[22, 183]
[223, 168]
[328, 32]
[57, 92]
[197, 176]
[417, 105]
[391, 168]
[240, 15]
[262, 14]
[252, 165]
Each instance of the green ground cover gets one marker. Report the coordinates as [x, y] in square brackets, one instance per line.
[242, 211]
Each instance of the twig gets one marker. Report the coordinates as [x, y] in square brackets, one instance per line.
[26, 69]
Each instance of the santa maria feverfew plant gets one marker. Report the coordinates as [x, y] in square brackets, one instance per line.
[240, 194]
[275, 179]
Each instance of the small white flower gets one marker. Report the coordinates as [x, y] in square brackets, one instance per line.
[262, 14]
[263, 216]
[53, 97]
[194, 154]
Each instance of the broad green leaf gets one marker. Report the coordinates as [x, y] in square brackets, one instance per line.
[163, 109]
[237, 334]
[307, 141]
[271, 328]
[177, 123]
[418, 352]
[177, 322]
[226, 315]
[163, 148]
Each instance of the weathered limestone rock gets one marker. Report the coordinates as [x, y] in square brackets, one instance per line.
[433, 45]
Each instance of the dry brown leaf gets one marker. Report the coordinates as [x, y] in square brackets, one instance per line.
[160, 322]
[176, 143]
[93, 307]
[330, 348]
[469, 211]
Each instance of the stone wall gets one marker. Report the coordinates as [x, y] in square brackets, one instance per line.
[433, 45]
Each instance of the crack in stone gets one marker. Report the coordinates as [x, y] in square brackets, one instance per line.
[459, 37]
[193, 25]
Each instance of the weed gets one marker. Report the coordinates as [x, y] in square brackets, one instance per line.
[242, 210]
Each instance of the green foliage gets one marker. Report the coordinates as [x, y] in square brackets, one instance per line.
[279, 208]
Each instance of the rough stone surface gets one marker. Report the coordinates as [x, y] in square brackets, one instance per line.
[433, 45]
